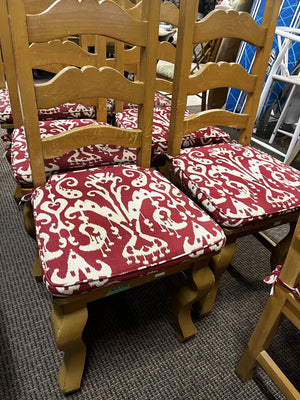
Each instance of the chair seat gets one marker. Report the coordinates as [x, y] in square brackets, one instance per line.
[161, 121]
[85, 157]
[160, 100]
[114, 223]
[64, 111]
[238, 184]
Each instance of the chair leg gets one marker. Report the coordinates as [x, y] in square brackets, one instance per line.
[218, 264]
[18, 193]
[37, 268]
[279, 252]
[200, 281]
[261, 338]
[68, 322]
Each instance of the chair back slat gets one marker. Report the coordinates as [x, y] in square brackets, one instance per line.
[166, 51]
[72, 84]
[215, 75]
[36, 6]
[82, 17]
[230, 24]
[58, 52]
[169, 13]
[212, 117]
[88, 136]
[163, 85]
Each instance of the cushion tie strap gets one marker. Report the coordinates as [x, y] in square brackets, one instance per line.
[274, 278]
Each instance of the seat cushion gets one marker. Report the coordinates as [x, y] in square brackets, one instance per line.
[64, 111]
[161, 121]
[5, 108]
[114, 223]
[160, 100]
[238, 184]
[166, 69]
[85, 157]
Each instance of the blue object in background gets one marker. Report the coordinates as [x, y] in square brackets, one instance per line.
[289, 16]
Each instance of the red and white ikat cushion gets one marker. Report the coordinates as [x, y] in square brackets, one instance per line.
[64, 111]
[114, 223]
[159, 101]
[5, 108]
[238, 184]
[89, 156]
[161, 122]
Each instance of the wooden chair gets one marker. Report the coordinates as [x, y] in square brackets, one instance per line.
[103, 230]
[283, 302]
[161, 120]
[245, 190]
[50, 57]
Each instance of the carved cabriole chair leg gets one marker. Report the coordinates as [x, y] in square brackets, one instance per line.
[261, 338]
[200, 281]
[68, 322]
[218, 264]
[280, 250]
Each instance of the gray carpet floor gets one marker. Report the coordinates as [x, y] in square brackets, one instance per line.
[132, 351]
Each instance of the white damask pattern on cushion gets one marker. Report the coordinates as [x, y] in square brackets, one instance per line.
[160, 100]
[90, 156]
[5, 108]
[161, 122]
[114, 223]
[238, 184]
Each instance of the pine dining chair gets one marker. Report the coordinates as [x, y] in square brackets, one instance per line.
[106, 229]
[284, 302]
[50, 56]
[245, 190]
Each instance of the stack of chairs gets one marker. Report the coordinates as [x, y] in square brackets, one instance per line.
[103, 229]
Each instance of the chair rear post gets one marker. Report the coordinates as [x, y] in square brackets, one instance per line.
[2, 77]
[20, 40]
[269, 22]
[186, 24]
[148, 75]
[10, 73]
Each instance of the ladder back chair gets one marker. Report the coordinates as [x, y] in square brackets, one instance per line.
[245, 190]
[52, 56]
[161, 119]
[284, 302]
[105, 229]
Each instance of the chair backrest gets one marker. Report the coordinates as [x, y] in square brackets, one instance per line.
[219, 24]
[70, 17]
[43, 58]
